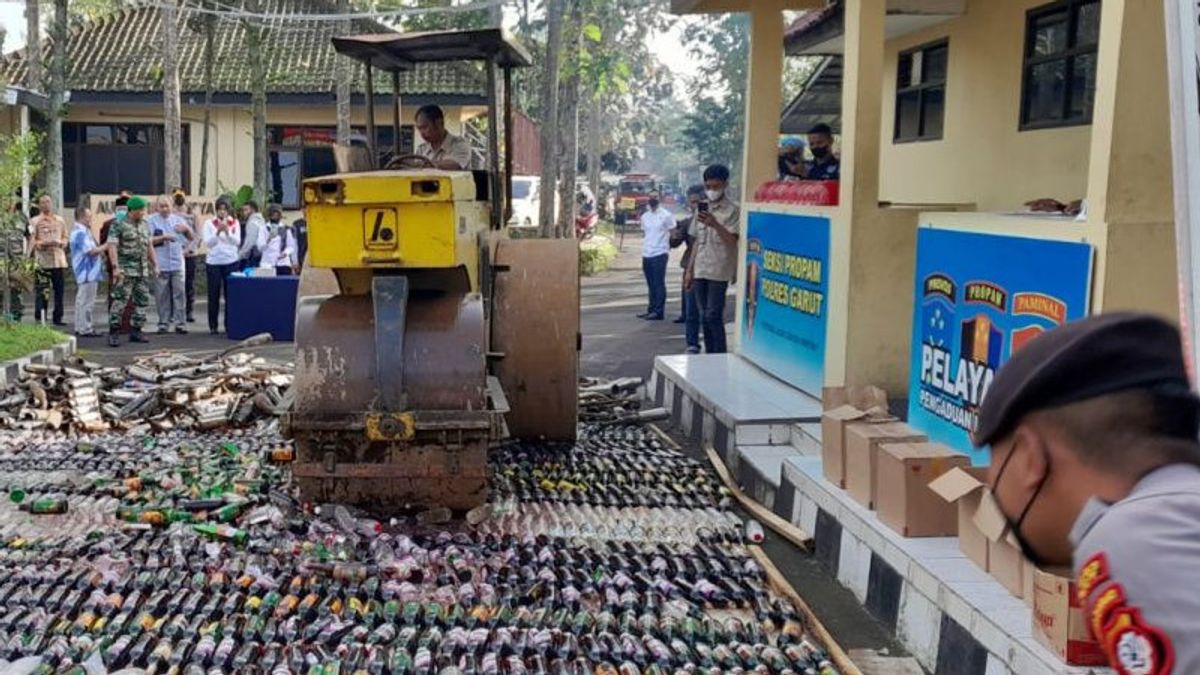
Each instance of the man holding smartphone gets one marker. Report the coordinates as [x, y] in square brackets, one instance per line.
[714, 259]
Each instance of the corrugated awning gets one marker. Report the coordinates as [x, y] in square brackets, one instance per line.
[819, 102]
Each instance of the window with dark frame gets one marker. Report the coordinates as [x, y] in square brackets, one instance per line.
[1059, 76]
[921, 93]
[101, 158]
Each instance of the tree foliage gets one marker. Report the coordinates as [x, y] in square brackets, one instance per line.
[19, 159]
[714, 130]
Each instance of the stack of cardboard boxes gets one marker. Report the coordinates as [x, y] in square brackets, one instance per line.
[923, 489]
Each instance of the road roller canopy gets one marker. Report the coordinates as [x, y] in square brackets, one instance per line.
[399, 51]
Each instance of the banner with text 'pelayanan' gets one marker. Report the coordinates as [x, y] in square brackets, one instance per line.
[787, 286]
[979, 298]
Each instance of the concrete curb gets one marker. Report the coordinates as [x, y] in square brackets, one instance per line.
[10, 371]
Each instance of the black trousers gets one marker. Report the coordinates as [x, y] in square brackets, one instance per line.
[216, 275]
[189, 283]
[54, 278]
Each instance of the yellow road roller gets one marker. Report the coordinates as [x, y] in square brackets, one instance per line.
[423, 332]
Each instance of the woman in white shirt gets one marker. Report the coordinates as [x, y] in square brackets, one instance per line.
[222, 236]
[279, 250]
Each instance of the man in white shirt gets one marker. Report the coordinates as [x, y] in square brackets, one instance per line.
[254, 236]
[714, 258]
[657, 224]
[439, 146]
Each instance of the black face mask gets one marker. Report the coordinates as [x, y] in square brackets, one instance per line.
[1015, 525]
[820, 152]
[654, 203]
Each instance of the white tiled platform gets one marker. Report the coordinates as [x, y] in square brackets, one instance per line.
[726, 401]
[937, 579]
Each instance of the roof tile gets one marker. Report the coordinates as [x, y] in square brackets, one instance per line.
[120, 53]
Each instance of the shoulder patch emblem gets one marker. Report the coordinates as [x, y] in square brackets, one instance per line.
[1136, 648]
[1100, 613]
[1092, 573]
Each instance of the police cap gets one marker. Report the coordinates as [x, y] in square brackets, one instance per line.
[1098, 355]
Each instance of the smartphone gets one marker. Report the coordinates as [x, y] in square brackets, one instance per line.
[702, 207]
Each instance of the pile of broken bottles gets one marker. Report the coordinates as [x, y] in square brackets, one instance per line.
[186, 552]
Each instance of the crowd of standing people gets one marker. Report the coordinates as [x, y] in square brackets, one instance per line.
[149, 250]
[709, 233]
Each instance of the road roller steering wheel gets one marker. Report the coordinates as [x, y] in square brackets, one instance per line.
[410, 162]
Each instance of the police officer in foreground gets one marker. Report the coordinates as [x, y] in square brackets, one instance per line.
[1095, 461]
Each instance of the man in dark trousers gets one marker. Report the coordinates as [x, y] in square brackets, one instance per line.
[1095, 461]
[50, 254]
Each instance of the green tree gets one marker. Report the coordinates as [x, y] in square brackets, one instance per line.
[714, 130]
[438, 20]
[256, 46]
[56, 87]
[19, 155]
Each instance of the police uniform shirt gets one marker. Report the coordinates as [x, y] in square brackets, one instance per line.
[453, 148]
[830, 169]
[1142, 602]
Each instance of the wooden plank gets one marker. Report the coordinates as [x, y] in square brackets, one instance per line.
[871, 662]
[535, 323]
[783, 528]
[665, 438]
[780, 585]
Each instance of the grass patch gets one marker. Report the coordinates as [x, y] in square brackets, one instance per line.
[18, 339]
[596, 255]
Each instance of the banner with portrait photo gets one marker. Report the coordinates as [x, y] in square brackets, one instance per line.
[786, 291]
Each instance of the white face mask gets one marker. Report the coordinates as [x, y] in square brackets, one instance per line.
[714, 195]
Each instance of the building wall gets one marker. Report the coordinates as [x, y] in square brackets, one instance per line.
[231, 150]
[982, 158]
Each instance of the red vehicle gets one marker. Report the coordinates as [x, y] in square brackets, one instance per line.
[632, 195]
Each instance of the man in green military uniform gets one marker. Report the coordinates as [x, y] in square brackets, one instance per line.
[134, 266]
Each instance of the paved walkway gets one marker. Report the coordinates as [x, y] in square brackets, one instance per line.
[615, 342]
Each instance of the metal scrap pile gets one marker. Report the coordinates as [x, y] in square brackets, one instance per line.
[615, 402]
[157, 393]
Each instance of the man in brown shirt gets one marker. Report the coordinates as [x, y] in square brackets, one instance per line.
[50, 254]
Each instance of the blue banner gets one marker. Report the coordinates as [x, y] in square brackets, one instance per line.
[979, 298]
[787, 288]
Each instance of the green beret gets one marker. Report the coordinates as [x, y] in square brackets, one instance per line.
[136, 203]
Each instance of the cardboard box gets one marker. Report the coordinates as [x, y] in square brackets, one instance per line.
[862, 397]
[964, 488]
[1059, 622]
[902, 495]
[833, 442]
[1006, 564]
[1027, 584]
[862, 454]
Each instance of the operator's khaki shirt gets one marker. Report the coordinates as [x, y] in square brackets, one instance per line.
[453, 148]
[50, 228]
[716, 260]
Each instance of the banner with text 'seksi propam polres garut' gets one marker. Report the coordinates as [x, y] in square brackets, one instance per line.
[786, 281]
[978, 299]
